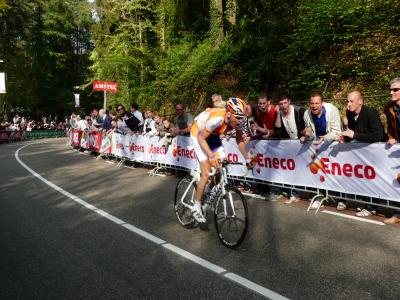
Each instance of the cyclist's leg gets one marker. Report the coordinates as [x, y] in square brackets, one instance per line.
[205, 169]
[215, 144]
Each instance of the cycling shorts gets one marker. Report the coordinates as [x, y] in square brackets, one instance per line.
[215, 144]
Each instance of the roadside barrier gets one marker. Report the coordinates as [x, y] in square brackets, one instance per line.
[12, 136]
[39, 134]
[366, 173]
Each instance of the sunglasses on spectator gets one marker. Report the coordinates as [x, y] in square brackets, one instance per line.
[179, 109]
[119, 109]
[395, 90]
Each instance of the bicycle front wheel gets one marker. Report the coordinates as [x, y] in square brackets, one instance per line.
[186, 190]
[231, 217]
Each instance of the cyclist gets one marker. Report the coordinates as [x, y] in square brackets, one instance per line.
[205, 133]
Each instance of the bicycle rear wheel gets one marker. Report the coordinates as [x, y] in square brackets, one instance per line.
[231, 217]
[183, 213]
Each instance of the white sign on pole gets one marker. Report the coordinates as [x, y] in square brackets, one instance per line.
[76, 100]
[2, 83]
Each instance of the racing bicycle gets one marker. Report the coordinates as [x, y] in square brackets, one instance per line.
[231, 217]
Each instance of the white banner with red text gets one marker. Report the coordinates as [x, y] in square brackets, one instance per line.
[354, 168]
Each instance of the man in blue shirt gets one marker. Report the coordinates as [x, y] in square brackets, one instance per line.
[322, 120]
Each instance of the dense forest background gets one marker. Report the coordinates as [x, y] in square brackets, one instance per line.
[166, 51]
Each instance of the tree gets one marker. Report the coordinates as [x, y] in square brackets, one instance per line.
[45, 43]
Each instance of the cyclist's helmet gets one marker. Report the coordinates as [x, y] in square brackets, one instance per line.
[236, 106]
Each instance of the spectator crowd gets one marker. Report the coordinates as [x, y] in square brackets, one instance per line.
[19, 125]
[320, 122]
[133, 121]
[284, 120]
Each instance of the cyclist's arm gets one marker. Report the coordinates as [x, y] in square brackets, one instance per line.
[241, 143]
[201, 138]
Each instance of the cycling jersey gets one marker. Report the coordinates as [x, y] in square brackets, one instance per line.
[212, 120]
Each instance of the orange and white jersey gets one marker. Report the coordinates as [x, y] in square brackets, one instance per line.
[212, 119]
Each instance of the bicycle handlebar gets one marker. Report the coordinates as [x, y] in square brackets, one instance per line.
[224, 163]
[213, 171]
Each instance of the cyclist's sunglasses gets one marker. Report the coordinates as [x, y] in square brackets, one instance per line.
[239, 117]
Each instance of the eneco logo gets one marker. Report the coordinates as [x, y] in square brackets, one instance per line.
[233, 157]
[337, 169]
[267, 162]
[157, 150]
[178, 151]
[136, 148]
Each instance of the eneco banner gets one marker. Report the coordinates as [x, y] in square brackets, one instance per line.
[354, 168]
[150, 149]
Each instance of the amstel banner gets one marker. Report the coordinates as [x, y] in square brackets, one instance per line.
[105, 86]
[355, 168]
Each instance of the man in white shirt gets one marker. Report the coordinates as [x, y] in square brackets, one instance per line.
[289, 124]
[290, 120]
[81, 125]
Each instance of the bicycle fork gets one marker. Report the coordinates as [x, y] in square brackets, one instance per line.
[230, 202]
[223, 183]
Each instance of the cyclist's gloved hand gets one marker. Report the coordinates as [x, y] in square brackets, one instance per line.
[251, 162]
[215, 162]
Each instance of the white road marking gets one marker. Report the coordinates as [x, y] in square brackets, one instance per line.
[84, 203]
[144, 234]
[196, 259]
[255, 287]
[110, 217]
[352, 217]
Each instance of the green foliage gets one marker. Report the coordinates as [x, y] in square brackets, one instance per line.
[162, 52]
[3, 7]
[45, 50]
[343, 43]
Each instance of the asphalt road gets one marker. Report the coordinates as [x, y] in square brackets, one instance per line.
[55, 248]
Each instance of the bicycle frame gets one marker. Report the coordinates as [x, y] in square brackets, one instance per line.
[223, 181]
[230, 221]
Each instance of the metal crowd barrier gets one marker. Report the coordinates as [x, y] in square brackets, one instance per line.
[324, 196]
[39, 134]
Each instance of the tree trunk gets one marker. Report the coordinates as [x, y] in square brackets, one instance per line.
[142, 50]
[163, 23]
[217, 20]
[202, 100]
[231, 7]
